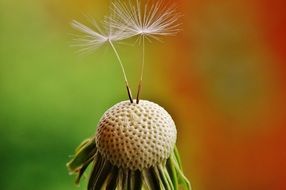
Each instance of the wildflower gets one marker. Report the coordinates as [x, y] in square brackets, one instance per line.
[134, 148]
[134, 145]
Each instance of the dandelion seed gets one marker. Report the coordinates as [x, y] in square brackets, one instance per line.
[149, 21]
[91, 40]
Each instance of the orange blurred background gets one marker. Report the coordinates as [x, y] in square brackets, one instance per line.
[231, 85]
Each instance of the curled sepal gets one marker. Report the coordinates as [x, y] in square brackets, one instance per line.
[84, 154]
[171, 170]
[150, 179]
[167, 175]
[99, 175]
[176, 171]
[112, 179]
[177, 156]
[135, 180]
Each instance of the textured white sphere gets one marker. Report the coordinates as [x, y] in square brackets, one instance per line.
[136, 136]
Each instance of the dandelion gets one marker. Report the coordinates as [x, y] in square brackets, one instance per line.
[134, 145]
[134, 148]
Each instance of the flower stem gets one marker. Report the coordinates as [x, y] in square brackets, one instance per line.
[123, 71]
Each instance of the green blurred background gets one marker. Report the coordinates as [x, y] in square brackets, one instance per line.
[222, 79]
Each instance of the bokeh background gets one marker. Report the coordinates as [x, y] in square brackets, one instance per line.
[222, 79]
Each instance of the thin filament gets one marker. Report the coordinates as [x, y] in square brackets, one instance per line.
[143, 58]
[119, 60]
[142, 69]
[123, 70]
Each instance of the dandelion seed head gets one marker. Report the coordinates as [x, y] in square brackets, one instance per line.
[136, 136]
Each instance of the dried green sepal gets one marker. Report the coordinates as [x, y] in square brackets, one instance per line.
[84, 155]
[167, 175]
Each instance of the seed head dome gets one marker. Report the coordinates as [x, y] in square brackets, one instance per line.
[136, 136]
